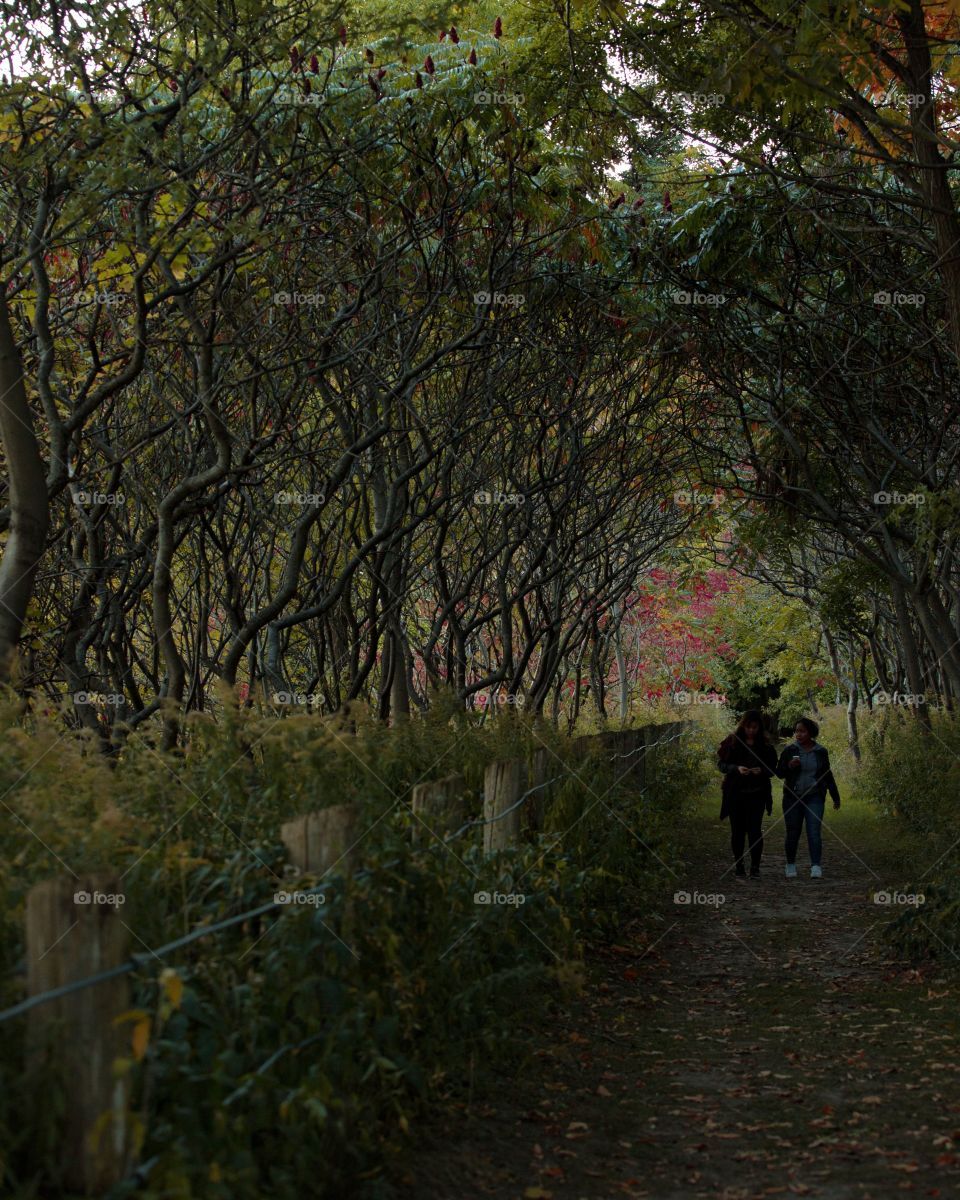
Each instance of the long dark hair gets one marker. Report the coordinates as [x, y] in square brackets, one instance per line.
[751, 715]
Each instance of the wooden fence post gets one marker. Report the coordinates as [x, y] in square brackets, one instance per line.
[322, 842]
[440, 807]
[536, 804]
[319, 841]
[501, 790]
[74, 929]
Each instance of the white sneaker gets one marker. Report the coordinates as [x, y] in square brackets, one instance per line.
[791, 871]
[816, 872]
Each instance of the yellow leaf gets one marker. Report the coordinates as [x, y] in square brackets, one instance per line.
[214, 1174]
[131, 1014]
[172, 986]
[537, 1193]
[141, 1038]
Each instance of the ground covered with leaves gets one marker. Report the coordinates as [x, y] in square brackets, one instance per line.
[769, 1045]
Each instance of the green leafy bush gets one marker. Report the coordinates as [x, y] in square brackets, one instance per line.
[900, 762]
[313, 1036]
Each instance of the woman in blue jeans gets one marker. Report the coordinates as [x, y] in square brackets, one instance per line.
[804, 767]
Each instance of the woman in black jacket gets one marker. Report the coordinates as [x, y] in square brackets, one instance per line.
[748, 763]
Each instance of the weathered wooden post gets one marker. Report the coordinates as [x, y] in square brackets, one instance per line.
[438, 808]
[323, 840]
[501, 790]
[536, 804]
[73, 930]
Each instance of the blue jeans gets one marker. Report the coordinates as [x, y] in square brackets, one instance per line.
[795, 813]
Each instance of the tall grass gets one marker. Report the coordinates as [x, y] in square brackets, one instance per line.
[313, 1037]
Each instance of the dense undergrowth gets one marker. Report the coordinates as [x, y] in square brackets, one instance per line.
[295, 1051]
[914, 777]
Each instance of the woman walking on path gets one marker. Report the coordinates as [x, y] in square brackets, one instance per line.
[748, 763]
[804, 767]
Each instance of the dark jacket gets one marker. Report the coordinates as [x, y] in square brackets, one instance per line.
[826, 784]
[735, 753]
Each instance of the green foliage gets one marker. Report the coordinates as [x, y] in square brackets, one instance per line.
[314, 1035]
[775, 646]
[900, 761]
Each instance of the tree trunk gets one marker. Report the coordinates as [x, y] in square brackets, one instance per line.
[29, 506]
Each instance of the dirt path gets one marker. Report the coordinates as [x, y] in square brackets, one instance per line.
[765, 1046]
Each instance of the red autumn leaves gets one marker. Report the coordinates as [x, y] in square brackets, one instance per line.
[451, 33]
[297, 59]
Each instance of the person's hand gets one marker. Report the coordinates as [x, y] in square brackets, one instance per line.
[836, 804]
[795, 761]
[744, 770]
[756, 770]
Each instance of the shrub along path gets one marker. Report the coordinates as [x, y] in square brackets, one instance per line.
[771, 1045]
